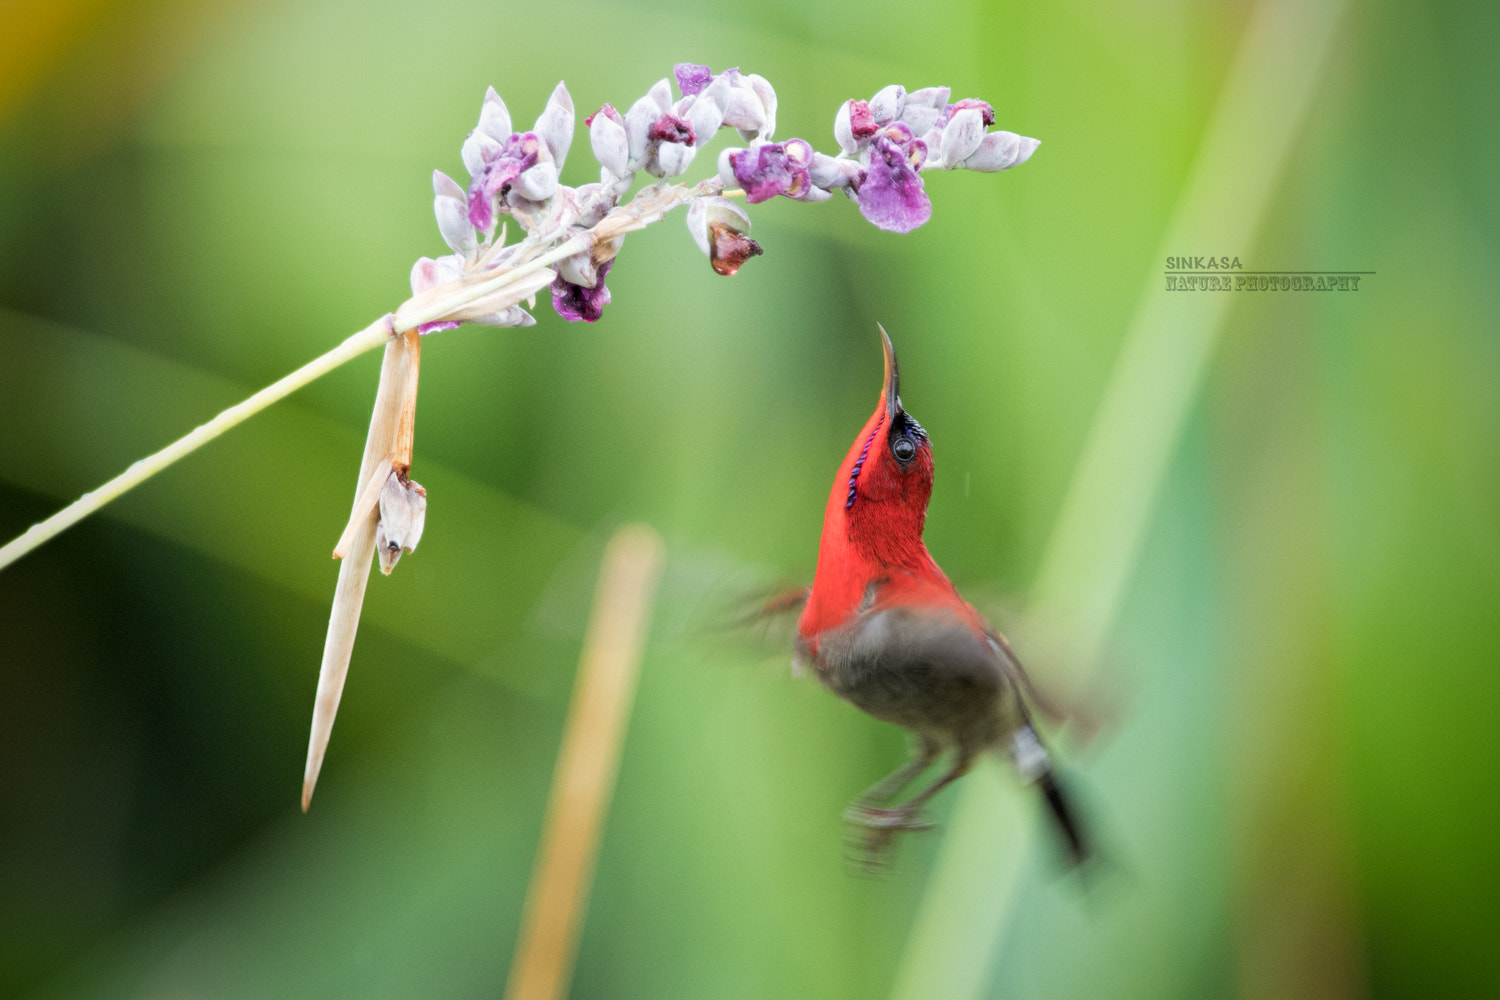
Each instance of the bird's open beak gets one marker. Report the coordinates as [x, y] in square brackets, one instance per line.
[892, 376]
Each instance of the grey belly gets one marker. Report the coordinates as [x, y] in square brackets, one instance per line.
[934, 677]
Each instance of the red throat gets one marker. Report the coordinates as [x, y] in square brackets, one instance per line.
[872, 528]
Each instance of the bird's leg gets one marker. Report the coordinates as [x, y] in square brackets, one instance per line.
[961, 765]
[877, 826]
[907, 815]
[924, 751]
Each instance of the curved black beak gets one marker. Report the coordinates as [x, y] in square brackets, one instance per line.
[892, 389]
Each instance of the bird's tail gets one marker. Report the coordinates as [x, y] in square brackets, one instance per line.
[1032, 761]
[1065, 816]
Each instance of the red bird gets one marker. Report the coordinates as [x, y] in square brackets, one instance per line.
[885, 629]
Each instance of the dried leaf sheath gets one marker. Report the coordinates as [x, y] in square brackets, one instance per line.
[394, 401]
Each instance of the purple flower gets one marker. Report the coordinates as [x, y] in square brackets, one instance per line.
[670, 128]
[773, 168]
[691, 78]
[517, 154]
[891, 195]
[901, 135]
[575, 302]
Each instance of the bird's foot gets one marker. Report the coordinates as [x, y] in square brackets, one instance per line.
[872, 834]
[902, 818]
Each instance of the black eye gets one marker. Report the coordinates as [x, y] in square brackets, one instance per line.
[904, 449]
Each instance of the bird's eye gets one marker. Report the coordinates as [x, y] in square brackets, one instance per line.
[904, 449]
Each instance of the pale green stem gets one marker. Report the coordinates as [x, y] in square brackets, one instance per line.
[1096, 540]
[370, 337]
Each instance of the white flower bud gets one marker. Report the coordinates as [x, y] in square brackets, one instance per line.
[428, 273]
[718, 92]
[494, 119]
[555, 124]
[928, 97]
[1001, 151]
[829, 172]
[445, 186]
[514, 316]
[582, 268]
[697, 226]
[933, 139]
[538, 183]
[843, 132]
[887, 105]
[702, 211]
[672, 158]
[403, 513]
[596, 200]
[579, 269]
[479, 149]
[920, 119]
[611, 146]
[726, 169]
[453, 222]
[962, 136]
[767, 94]
[638, 121]
[705, 116]
[719, 226]
[745, 110]
[660, 95]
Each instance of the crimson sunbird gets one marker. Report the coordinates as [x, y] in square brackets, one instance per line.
[884, 629]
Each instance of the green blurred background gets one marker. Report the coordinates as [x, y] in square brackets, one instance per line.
[1297, 779]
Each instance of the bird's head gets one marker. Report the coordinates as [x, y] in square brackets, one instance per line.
[888, 471]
